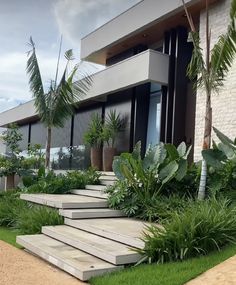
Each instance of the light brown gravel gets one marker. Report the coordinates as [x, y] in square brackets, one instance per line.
[222, 274]
[18, 267]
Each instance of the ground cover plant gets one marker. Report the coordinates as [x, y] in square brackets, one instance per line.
[200, 229]
[25, 217]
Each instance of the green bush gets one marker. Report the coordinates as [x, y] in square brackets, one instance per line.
[33, 218]
[204, 227]
[26, 217]
[142, 182]
[10, 206]
[51, 183]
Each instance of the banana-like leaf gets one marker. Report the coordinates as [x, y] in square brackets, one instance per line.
[182, 148]
[227, 150]
[182, 169]
[172, 151]
[168, 172]
[160, 153]
[127, 173]
[214, 157]
[224, 139]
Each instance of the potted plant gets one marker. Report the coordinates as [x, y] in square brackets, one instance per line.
[93, 138]
[114, 124]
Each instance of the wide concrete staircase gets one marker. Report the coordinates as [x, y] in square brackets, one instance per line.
[93, 240]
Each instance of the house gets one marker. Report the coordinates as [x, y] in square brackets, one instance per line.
[146, 51]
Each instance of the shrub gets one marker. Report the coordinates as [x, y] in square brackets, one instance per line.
[204, 227]
[222, 170]
[142, 182]
[26, 217]
[51, 183]
[10, 206]
[78, 179]
[33, 218]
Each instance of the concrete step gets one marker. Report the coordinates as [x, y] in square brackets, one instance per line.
[124, 230]
[107, 182]
[90, 193]
[66, 201]
[106, 249]
[96, 187]
[74, 261]
[106, 173]
[91, 213]
[108, 177]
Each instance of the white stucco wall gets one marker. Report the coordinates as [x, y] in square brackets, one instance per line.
[224, 103]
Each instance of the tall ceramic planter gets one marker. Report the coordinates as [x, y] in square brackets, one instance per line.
[108, 156]
[10, 182]
[96, 157]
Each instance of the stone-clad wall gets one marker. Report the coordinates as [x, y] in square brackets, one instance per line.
[224, 103]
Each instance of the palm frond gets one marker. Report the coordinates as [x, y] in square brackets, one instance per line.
[68, 94]
[35, 79]
[224, 51]
[197, 68]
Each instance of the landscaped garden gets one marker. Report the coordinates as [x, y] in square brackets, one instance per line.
[160, 187]
[191, 207]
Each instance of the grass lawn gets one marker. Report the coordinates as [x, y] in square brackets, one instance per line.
[177, 273]
[9, 236]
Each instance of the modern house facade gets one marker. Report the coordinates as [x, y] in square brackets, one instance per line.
[146, 52]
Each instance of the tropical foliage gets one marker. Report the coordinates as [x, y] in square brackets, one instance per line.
[25, 217]
[93, 136]
[56, 104]
[142, 181]
[113, 125]
[210, 71]
[50, 183]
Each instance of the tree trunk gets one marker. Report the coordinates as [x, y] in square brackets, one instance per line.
[206, 145]
[48, 147]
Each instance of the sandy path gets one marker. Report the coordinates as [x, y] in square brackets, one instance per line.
[222, 274]
[18, 267]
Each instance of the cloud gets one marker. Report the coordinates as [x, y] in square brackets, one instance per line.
[77, 18]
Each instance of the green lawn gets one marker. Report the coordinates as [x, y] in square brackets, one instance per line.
[9, 236]
[165, 274]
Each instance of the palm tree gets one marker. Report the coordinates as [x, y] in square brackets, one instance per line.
[58, 103]
[210, 71]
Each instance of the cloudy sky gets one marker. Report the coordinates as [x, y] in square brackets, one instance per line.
[45, 21]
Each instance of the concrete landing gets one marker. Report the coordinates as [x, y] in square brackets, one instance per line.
[71, 260]
[90, 193]
[124, 230]
[91, 213]
[67, 201]
[106, 249]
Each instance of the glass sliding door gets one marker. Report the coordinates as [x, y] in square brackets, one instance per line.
[154, 118]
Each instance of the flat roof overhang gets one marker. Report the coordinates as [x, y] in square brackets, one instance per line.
[148, 66]
[144, 23]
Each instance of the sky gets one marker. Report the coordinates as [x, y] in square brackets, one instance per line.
[45, 21]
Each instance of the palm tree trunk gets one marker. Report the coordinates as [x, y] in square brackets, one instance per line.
[206, 145]
[48, 147]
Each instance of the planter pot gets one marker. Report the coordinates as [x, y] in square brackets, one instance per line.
[108, 156]
[10, 182]
[96, 158]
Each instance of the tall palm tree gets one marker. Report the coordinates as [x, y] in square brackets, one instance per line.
[58, 103]
[210, 71]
